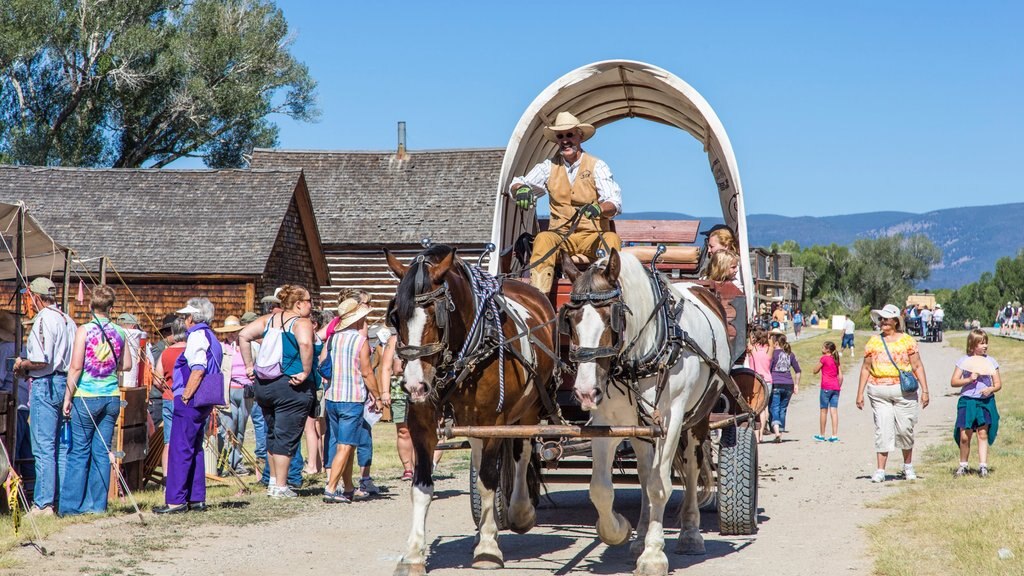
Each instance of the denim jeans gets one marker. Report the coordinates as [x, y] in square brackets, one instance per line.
[364, 449]
[779, 405]
[92, 431]
[45, 406]
[259, 428]
[235, 421]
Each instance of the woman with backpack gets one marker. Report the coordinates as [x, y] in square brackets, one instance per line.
[284, 389]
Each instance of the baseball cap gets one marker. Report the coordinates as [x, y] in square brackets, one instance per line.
[189, 309]
[127, 318]
[43, 285]
[248, 317]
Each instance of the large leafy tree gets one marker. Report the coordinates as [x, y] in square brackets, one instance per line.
[131, 83]
[885, 270]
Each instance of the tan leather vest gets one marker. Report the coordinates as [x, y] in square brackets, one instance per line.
[565, 199]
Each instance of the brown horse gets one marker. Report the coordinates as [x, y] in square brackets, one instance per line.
[434, 312]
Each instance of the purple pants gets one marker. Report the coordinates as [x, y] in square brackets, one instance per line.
[186, 467]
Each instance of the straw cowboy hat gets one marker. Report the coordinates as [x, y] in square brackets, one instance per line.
[566, 121]
[231, 324]
[350, 311]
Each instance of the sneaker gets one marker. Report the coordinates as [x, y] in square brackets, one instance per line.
[36, 511]
[983, 471]
[908, 472]
[878, 476]
[961, 471]
[819, 437]
[366, 485]
[271, 488]
[336, 498]
[407, 476]
[284, 492]
[833, 438]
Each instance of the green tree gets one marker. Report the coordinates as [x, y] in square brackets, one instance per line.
[886, 269]
[134, 83]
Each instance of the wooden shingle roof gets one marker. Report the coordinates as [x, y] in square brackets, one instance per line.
[163, 221]
[375, 197]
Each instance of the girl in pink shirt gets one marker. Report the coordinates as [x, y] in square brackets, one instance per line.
[760, 350]
[831, 382]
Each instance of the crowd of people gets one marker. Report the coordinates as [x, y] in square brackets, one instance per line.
[281, 370]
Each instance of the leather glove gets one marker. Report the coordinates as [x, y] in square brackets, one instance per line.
[524, 197]
[592, 211]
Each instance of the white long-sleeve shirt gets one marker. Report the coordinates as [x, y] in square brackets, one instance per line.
[607, 188]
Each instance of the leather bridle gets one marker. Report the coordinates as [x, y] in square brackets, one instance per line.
[617, 323]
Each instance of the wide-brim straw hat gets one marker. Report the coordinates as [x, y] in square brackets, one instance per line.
[887, 311]
[350, 311]
[231, 324]
[566, 121]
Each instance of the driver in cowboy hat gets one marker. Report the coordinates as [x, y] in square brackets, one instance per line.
[575, 180]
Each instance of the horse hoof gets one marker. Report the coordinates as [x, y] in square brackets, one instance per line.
[619, 533]
[524, 525]
[690, 543]
[488, 562]
[410, 570]
[657, 565]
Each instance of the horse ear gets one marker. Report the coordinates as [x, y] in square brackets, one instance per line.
[569, 267]
[395, 264]
[437, 271]
[611, 271]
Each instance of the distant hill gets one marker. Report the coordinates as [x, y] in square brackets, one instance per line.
[971, 238]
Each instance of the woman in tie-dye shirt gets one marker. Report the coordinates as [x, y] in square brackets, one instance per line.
[92, 402]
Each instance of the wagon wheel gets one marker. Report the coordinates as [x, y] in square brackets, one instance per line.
[506, 480]
[737, 482]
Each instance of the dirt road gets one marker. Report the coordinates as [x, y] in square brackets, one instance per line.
[813, 500]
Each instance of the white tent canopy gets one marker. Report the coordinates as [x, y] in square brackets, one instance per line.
[603, 92]
[43, 255]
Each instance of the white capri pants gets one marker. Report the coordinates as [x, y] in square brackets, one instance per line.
[895, 414]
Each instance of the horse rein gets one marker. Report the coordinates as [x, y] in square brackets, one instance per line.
[441, 299]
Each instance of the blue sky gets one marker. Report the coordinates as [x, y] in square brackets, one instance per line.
[832, 108]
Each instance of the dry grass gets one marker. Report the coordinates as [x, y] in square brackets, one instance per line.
[946, 525]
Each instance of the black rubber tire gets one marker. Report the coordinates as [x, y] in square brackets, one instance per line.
[737, 482]
[504, 491]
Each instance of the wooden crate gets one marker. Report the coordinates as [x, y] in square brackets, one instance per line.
[131, 439]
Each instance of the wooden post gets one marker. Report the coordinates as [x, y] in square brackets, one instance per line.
[66, 298]
[11, 437]
[250, 297]
[103, 270]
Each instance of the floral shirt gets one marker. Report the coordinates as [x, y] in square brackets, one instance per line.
[882, 370]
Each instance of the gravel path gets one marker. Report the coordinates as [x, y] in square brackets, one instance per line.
[813, 500]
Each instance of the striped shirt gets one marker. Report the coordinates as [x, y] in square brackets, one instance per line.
[346, 379]
[607, 188]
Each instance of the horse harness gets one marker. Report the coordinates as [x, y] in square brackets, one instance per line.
[483, 339]
[626, 372]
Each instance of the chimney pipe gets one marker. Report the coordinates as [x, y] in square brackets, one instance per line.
[401, 140]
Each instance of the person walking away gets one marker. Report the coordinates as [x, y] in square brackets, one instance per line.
[233, 421]
[895, 412]
[977, 377]
[93, 402]
[351, 381]
[575, 181]
[165, 380]
[198, 365]
[48, 358]
[760, 350]
[848, 330]
[798, 323]
[784, 384]
[285, 389]
[926, 320]
[938, 318]
[831, 383]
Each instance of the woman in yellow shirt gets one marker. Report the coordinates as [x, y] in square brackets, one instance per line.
[895, 412]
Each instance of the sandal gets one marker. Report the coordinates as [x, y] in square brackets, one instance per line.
[407, 475]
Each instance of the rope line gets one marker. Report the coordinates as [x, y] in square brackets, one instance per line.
[485, 287]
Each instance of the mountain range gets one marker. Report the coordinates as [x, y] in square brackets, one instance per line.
[971, 238]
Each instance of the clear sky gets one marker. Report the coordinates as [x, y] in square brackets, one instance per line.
[832, 108]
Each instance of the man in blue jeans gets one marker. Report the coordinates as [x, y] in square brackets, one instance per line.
[48, 351]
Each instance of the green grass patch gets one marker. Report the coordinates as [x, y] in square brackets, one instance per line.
[946, 525]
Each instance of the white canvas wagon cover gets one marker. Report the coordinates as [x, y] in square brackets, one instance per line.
[603, 92]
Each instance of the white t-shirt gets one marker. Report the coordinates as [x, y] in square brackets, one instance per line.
[195, 349]
[130, 379]
[50, 341]
[849, 327]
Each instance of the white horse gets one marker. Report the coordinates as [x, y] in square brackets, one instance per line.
[620, 279]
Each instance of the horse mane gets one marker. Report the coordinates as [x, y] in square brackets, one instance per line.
[417, 279]
[637, 295]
